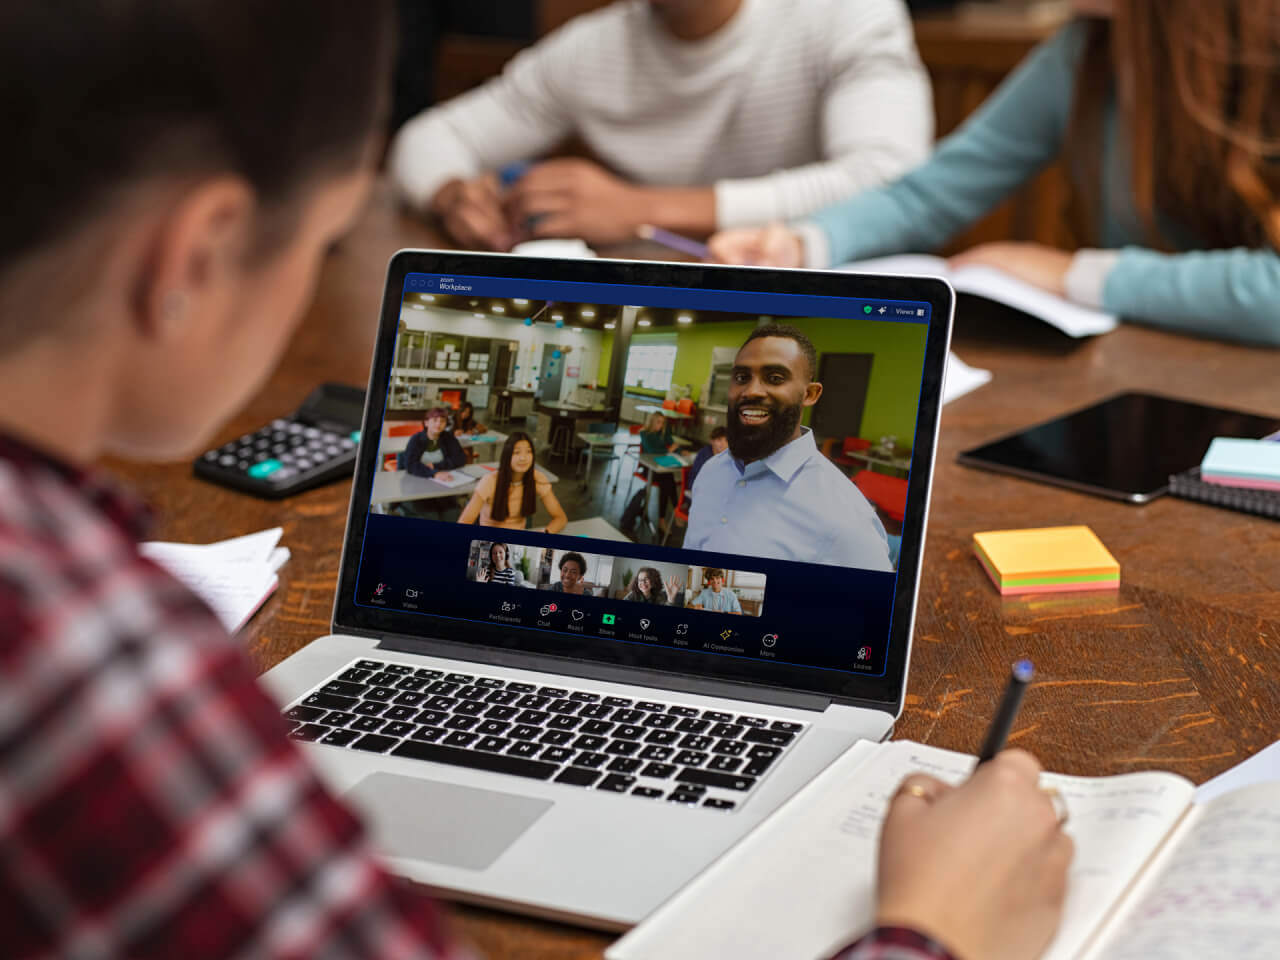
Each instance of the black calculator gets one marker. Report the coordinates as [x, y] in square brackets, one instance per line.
[317, 444]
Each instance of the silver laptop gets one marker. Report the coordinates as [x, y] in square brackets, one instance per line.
[573, 662]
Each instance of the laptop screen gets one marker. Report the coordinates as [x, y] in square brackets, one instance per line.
[691, 471]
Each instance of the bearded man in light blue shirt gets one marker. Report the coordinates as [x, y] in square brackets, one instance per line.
[772, 493]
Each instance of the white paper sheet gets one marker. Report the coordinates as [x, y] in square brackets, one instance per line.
[960, 378]
[234, 577]
[1261, 767]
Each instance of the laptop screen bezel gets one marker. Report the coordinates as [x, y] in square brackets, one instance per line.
[885, 690]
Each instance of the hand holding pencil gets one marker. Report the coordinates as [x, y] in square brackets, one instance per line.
[981, 867]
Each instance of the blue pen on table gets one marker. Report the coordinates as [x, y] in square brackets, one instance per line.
[1002, 722]
[673, 241]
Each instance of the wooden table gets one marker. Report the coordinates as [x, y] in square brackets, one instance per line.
[1178, 670]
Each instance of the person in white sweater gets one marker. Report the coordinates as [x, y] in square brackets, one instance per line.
[700, 114]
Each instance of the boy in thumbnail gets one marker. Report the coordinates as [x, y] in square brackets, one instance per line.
[714, 597]
[772, 493]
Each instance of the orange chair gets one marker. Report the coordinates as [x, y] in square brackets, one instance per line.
[848, 446]
[451, 398]
[887, 493]
[407, 429]
[685, 405]
[668, 404]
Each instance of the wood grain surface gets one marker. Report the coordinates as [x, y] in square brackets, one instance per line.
[1178, 670]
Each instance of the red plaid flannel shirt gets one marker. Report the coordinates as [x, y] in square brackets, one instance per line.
[150, 802]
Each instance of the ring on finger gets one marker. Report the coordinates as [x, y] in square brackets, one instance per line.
[917, 790]
[1059, 803]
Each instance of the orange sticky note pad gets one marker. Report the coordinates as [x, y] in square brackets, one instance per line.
[1046, 560]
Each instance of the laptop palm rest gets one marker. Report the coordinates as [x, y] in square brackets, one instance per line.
[444, 822]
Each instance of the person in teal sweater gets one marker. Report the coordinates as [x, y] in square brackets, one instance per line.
[1173, 162]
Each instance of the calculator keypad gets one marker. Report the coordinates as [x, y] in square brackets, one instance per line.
[283, 453]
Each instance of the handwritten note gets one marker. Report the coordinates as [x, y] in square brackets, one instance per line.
[819, 853]
[1218, 893]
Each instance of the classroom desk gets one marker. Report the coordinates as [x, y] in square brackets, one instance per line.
[597, 528]
[652, 468]
[488, 443]
[667, 412]
[592, 441]
[396, 486]
[1179, 669]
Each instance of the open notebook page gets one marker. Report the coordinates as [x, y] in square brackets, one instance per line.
[1073, 319]
[1213, 892]
[802, 884]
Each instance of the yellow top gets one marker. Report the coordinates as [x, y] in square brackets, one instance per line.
[1045, 550]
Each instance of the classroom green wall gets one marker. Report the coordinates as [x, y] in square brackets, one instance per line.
[606, 353]
[892, 394]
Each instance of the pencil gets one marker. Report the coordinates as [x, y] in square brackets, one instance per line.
[1002, 722]
[673, 240]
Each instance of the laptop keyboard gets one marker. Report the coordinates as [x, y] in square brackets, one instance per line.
[647, 748]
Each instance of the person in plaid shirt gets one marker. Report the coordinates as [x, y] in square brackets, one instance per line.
[183, 167]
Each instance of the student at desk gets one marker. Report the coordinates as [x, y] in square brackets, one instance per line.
[701, 113]
[433, 449]
[1167, 113]
[509, 497]
[464, 421]
[656, 440]
[153, 802]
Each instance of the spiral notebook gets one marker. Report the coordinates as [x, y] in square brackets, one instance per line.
[1260, 503]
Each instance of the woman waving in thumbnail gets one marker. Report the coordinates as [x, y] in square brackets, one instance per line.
[647, 587]
[510, 497]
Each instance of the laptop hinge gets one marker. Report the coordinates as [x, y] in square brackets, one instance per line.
[635, 676]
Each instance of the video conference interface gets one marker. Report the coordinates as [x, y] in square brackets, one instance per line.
[709, 470]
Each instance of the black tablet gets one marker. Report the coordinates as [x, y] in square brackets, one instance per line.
[1125, 447]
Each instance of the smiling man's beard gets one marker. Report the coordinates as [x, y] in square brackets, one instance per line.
[755, 443]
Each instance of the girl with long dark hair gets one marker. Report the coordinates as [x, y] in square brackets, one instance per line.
[509, 497]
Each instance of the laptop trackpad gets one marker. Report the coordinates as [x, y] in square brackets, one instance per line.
[444, 822]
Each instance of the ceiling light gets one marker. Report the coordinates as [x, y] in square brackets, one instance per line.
[479, 316]
[521, 303]
[557, 316]
[429, 297]
[417, 306]
[646, 323]
[499, 308]
[610, 326]
[588, 313]
[684, 318]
